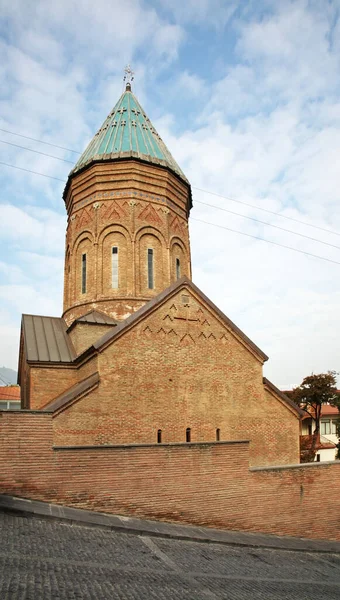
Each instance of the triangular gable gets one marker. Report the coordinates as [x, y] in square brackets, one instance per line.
[155, 303]
[287, 402]
[77, 391]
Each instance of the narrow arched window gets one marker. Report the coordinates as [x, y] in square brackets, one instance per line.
[115, 267]
[159, 436]
[188, 435]
[178, 268]
[150, 268]
[83, 273]
[217, 435]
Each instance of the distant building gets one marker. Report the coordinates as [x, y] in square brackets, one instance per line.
[10, 397]
[327, 447]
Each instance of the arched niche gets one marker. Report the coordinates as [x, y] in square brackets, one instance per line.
[67, 277]
[178, 259]
[83, 247]
[114, 262]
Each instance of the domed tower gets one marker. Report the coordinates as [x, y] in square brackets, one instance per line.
[128, 204]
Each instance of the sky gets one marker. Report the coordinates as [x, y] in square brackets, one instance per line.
[246, 96]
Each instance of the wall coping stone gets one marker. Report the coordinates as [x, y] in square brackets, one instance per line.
[136, 446]
[26, 411]
[298, 466]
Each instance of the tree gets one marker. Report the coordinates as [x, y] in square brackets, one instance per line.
[314, 391]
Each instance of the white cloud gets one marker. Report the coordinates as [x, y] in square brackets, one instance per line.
[206, 12]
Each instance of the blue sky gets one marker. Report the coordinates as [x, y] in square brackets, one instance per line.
[246, 96]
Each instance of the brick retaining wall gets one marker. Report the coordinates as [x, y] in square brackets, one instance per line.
[206, 484]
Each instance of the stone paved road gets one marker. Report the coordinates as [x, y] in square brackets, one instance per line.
[43, 560]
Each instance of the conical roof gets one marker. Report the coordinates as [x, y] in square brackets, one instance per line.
[127, 132]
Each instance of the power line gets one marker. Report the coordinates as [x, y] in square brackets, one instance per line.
[266, 210]
[271, 212]
[40, 141]
[268, 224]
[193, 187]
[3, 379]
[268, 241]
[206, 222]
[37, 152]
[34, 172]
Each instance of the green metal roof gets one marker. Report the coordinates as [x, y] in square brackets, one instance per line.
[127, 132]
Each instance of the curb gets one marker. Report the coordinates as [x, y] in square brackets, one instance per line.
[135, 526]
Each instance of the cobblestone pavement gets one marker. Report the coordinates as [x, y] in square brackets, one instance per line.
[43, 560]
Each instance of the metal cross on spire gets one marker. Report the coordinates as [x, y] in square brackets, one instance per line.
[128, 77]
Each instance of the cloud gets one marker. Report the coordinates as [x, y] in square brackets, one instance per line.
[214, 13]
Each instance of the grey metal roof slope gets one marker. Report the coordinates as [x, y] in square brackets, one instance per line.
[73, 393]
[95, 317]
[46, 339]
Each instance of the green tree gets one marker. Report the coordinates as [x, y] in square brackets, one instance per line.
[314, 391]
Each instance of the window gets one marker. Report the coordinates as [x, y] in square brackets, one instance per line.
[178, 268]
[159, 436]
[115, 267]
[14, 406]
[217, 435]
[150, 268]
[325, 427]
[83, 273]
[333, 427]
[318, 457]
[188, 435]
[9, 405]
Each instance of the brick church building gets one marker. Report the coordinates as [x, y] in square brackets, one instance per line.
[140, 354]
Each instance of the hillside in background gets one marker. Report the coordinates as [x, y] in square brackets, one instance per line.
[7, 376]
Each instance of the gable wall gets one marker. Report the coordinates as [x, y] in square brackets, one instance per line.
[48, 382]
[179, 368]
[83, 335]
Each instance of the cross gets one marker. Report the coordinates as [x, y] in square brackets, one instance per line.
[128, 77]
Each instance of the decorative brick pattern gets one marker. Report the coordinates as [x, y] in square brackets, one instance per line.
[132, 206]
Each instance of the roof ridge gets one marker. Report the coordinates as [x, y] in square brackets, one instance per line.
[159, 299]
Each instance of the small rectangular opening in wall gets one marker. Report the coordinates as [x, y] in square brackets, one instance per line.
[115, 267]
[178, 268]
[150, 269]
[218, 431]
[188, 435]
[159, 436]
[83, 273]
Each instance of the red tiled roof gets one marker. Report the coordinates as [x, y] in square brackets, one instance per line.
[321, 444]
[327, 409]
[10, 392]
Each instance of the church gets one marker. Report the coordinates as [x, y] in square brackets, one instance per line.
[140, 355]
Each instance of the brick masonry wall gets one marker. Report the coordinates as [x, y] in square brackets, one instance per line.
[181, 368]
[304, 499]
[83, 335]
[207, 484]
[49, 382]
[132, 206]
